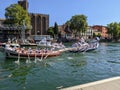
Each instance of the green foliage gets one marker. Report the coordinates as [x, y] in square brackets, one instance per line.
[15, 14]
[94, 35]
[68, 23]
[78, 23]
[114, 30]
[51, 31]
[99, 35]
[55, 28]
[67, 28]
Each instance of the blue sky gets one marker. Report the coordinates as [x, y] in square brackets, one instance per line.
[98, 12]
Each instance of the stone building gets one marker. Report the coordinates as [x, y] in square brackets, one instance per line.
[24, 4]
[40, 22]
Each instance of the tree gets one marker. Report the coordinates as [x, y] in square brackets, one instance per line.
[50, 31]
[94, 35]
[55, 29]
[99, 35]
[114, 30]
[67, 27]
[78, 24]
[15, 14]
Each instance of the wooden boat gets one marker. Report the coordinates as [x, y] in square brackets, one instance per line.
[50, 44]
[19, 52]
[85, 47]
[10, 44]
[92, 46]
[28, 44]
[79, 47]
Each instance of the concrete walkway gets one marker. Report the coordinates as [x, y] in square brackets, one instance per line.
[106, 84]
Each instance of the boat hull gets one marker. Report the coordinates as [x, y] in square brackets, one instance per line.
[93, 47]
[13, 54]
[86, 48]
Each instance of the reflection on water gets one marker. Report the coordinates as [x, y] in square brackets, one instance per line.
[63, 71]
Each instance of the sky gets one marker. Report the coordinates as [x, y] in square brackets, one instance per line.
[98, 12]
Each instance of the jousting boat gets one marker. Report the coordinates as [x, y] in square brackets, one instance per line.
[84, 47]
[93, 45]
[29, 53]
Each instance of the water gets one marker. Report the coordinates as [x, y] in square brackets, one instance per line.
[66, 70]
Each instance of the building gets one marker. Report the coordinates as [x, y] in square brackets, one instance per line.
[1, 21]
[40, 22]
[89, 32]
[24, 4]
[102, 30]
[66, 31]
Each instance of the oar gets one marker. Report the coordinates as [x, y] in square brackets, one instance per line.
[47, 55]
[18, 61]
[86, 48]
[42, 55]
[35, 57]
[28, 60]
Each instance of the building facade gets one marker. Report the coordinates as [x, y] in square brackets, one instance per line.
[102, 30]
[24, 4]
[39, 22]
[66, 31]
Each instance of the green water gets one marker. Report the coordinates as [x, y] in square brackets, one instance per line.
[66, 70]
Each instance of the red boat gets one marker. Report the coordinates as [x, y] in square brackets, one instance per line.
[30, 53]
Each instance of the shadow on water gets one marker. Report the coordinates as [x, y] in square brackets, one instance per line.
[116, 62]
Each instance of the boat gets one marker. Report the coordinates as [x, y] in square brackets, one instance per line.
[28, 44]
[47, 43]
[93, 45]
[9, 44]
[85, 46]
[79, 47]
[29, 53]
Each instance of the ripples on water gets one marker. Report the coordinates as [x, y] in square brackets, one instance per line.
[63, 71]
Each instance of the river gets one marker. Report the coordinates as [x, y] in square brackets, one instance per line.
[66, 70]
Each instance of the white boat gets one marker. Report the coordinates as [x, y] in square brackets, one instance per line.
[79, 47]
[10, 44]
[92, 45]
[85, 47]
[45, 43]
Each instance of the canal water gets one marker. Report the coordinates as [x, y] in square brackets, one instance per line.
[66, 70]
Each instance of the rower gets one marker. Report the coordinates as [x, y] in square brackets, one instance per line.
[45, 50]
[22, 49]
[29, 50]
[14, 48]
